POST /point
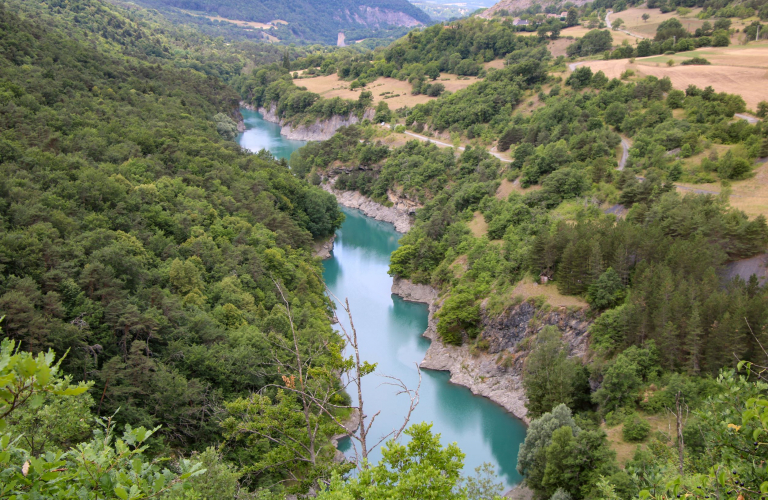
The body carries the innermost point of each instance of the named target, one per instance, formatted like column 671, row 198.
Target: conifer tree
column 596, row 265
column 693, row 340
column 669, row 344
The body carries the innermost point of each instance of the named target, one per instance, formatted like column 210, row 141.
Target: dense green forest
column 311, row 20
column 139, row 241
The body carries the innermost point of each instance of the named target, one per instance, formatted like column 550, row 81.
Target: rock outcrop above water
column 351, row 425
column 497, row 372
column 399, row 214
column 320, row 130
column 249, row 107
column 505, row 331
column 324, row 248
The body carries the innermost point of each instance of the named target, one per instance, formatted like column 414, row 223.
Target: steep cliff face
column 320, row 130
column 505, row 331
column 375, row 17
column 497, row 372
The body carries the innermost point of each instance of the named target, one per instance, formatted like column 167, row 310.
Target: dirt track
column 446, row 145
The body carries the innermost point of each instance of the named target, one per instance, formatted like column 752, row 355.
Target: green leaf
column 159, row 484
column 36, row 401
column 645, row 494
column 120, row 491
column 73, row 391
column 764, row 487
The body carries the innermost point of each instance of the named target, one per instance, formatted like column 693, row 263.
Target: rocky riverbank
column 351, row 425
column 320, row 130
column 398, row 215
column 480, row 374
column 495, row 373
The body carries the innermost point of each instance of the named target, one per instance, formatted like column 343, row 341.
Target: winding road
column 446, row 145
column 750, row 119
column 625, row 145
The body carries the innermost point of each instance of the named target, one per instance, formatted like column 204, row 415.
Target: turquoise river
column 390, row 334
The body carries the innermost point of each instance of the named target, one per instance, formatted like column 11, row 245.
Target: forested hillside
column 138, row 239
column 311, row 20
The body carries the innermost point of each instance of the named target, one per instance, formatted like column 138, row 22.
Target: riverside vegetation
column 172, row 273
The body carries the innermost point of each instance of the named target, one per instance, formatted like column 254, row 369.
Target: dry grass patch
column 633, row 20
column 558, row 47
column 754, row 55
column 736, row 70
column 394, row 92
column 395, row 140
column 496, row 64
column 580, row 31
column 625, row 451
column 508, row 187
column 529, row 103
column 749, row 195
column 528, row 289
column 478, row 226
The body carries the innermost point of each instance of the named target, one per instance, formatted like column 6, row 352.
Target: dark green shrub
column 635, row 429
column 695, row 60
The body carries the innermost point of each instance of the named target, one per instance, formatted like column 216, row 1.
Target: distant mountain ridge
column 309, row 20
